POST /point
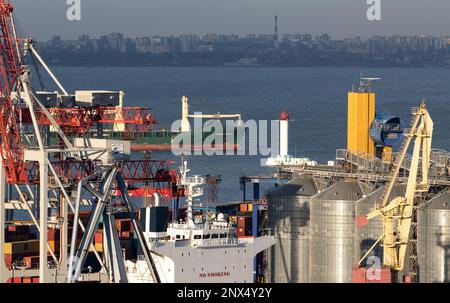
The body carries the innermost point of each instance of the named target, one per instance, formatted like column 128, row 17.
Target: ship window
column 206, row 236
column 178, row 237
column 223, row 236
column 182, row 270
column 214, row 236
column 197, row 237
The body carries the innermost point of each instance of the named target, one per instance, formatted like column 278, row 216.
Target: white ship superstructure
column 198, row 251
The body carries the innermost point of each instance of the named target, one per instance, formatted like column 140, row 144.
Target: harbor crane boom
column 397, row 214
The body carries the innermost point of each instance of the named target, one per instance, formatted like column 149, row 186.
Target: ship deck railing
column 201, row 226
column 217, row 242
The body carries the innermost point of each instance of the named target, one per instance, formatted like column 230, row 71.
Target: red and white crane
column 31, row 164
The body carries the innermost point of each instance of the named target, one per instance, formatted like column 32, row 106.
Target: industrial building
column 380, row 204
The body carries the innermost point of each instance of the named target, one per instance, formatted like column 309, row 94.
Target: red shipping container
column 8, row 260
column 31, row 262
column 98, row 238
column 408, row 279
column 371, row 275
column 244, row 221
column 240, row 232
column 53, row 234
column 243, row 207
column 14, row 280
column 35, row 280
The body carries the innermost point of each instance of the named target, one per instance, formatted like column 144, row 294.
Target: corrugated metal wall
column 289, row 217
column 433, row 237
column 333, row 233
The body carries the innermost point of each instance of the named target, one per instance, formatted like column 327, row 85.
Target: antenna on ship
column 193, row 188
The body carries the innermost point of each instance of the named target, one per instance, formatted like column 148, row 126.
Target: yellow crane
column 397, row 213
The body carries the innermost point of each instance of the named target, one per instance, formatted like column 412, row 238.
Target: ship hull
column 179, row 262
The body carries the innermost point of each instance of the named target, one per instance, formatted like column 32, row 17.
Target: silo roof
column 397, row 191
column 440, row 202
column 302, row 186
column 342, row 191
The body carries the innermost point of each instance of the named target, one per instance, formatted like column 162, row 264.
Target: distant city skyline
column 136, row 18
column 300, row 49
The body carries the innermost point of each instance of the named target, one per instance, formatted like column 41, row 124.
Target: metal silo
column 289, row 218
column 433, row 240
column 365, row 237
column 333, row 232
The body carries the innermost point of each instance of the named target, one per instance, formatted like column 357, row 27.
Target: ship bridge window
column 223, row 236
column 206, row 236
column 197, row 237
column 214, row 236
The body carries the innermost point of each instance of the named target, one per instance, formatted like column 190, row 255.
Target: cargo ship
column 200, row 249
column 162, row 140
column 135, row 124
column 213, row 135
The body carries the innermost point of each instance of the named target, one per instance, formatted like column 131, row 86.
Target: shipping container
column 123, row 225
column 126, row 235
column 22, row 247
column 31, row 261
column 54, row 245
column 12, row 236
column 128, row 246
column 23, row 229
column 98, row 238
column 14, row 280
column 53, row 234
column 243, row 207
column 99, row 247
column 245, row 222
column 97, row 98
column 371, row 275
column 240, row 232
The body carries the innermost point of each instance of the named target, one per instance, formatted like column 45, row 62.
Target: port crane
column 398, row 214
column 28, row 167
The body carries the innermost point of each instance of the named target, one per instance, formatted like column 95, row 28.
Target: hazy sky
column 44, row 18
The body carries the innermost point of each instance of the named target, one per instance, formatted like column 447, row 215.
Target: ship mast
column 193, row 189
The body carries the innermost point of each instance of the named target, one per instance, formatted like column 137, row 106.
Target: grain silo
column 433, row 240
column 365, row 237
column 289, row 217
column 333, row 232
